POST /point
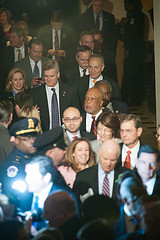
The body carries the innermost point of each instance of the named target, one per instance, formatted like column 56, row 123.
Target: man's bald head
column 108, row 155
column 72, row 120
column 58, row 208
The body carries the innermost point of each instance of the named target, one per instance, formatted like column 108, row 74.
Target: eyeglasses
column 106, row 131
column 27, row 139
column 75, row 119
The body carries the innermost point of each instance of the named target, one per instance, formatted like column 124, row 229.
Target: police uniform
column 13, row 168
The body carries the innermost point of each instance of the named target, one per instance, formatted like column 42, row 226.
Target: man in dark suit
column 78, row 66
column 72, row 120
column 35, row 58
column 10, row 54
column 58, row 40
column 53, row 97
column 93, row 180
column 114, row 105
column 95, row 68
column 147, row 166
column 95, row 17
column 130, row 132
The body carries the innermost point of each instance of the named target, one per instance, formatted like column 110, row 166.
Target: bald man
column 102, row 176
column 72, row 120
column 93, row 108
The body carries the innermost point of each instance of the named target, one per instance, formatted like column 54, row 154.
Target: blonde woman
column 31, row 111
column 78, row 157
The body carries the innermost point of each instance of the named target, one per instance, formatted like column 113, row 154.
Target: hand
column 34, row 81
column 51, row 52
column 60, row 53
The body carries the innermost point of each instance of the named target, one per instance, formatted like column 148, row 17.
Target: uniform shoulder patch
column 12, row 171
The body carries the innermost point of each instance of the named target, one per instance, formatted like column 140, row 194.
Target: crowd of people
column 72, row 163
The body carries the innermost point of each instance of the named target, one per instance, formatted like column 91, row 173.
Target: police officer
column 23, row 134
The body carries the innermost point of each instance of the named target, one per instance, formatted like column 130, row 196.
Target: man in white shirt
column 147, row 165
column 32, row 65
column 53, row 97
column 93, row 107
column 130, row 132
column 72, row 120
column 93, row 178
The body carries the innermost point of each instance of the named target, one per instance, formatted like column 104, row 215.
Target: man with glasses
column 72, row 120
column 23, row 133
column 147, row 165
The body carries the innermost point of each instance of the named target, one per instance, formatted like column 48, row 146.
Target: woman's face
column 17, row 82
column 81, row 153
column 103, row 132
column 3, row 18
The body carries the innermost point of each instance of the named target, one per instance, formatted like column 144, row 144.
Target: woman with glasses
column 78, row 157
column 107, row 128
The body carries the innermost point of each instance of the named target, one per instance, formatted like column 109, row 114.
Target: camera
column 35, row 213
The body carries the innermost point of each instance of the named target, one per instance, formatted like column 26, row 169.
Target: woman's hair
column 31, row 111
column 8, row 14
column 11, row 76
column 69, row 158
column 110, row 120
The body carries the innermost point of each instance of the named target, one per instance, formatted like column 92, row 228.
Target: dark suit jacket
column 82, row 85
column 120, row 107
column 7, row 63
column 89, row 136
column 40, row 99
column 66, row 41
column 156, row 189
column 88, row 178
column 87, row 23
column 71, row 71
column 24, row 64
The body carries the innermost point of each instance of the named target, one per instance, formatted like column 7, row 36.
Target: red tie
column 56, row 42
column 106, row 187
column 97, row 22
column 127, row 162
column 93, row 126
column 75, row 137
column 84, row 72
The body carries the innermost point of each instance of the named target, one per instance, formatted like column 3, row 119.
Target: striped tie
column 106, row 188
column 93, row 126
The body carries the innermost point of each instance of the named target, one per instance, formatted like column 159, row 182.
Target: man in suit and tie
column 95, row 68
column 57, row 39
column 95, row 17
column 101, row 178
column 114, row 105
column 53, row 97
column 147, row 166
column 10, row 54
column 72, row 120
column 93, row 108
column 78, row 67
column 130, row 132
column 32, row 65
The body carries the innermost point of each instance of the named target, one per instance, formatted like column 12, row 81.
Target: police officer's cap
column 50, row 139
column 25, row 127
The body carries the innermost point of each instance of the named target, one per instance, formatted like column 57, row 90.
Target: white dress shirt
column 39, row 64
column 49, row 93
column 42, row 196
column 81, row 71
column 133, row 155
column 70, row 135
column 91, row 83
column 22, row 49
column 150, row 184
column 89, row 120
column 100, row 19
column 53, row 39
column 101, row 176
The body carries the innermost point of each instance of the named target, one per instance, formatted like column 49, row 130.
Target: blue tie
column 54, row 109
column 36, row 206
